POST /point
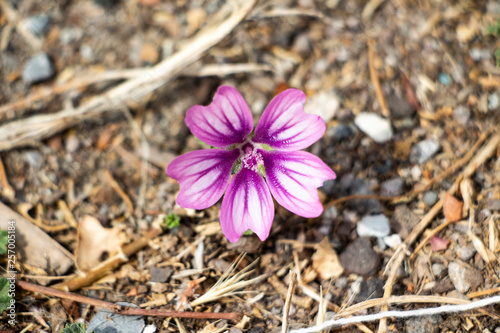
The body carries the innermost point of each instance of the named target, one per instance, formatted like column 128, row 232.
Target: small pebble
column 149, row 53
column 34, row 158
column 373, row 226
column 493, row 101
column 430, row 198
column 159, row 274
column 341, row 282
column 341, row 132
column 400, row 108
column 445, row 79
column 423, row 151
column 479, row 54
column 392, row 187
column 375, row 126
column 38, row 68
column 466, row 253
column 427, row 324
column 461, row 115
column 464, row 277
column 106, row 322
column 324, row 104
column 38, row 24
column 393, row 241
column 369, row 289
column 360, row 258
column 437, row 269
column 416, row 173
column 403, row 220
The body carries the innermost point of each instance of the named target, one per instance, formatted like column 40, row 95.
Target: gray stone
column 479, row 54
column 464, row 277
column 324, row 104
column 392, row 187
column 363, row 206
column 438, row 269
column 493, row 101
column 400, row 108
column 38, row 24
column 373, row 226
column 38, row 68
column 461, row 114
column 375, row 126
column 34, row 158
column 428, row 324
column 393, row 241
column 424, row 150
column 430, row 198
column 105, row 321
column 466, row 253
column 360, row 258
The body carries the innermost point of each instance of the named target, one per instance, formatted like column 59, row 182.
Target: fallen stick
column 30, row 130
column 125, row 310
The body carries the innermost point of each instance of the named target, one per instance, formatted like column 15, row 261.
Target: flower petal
column 293, row 179
column 285, row 126
column 226, row 121
column 203, row 176
column 247, row 205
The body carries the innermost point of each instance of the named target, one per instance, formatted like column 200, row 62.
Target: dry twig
column 124, row 310
column 288, row 299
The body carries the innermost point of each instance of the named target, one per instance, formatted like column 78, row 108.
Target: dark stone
column 343, row 132
column 161, row 275
column 360, row 258
column 369, row 289
column 429, row 324
column 403, row 221
column 106, row 3
column 363, row 206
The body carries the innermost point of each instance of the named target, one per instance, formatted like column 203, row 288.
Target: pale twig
column 27, row 131
column 115, row 186
column 81, row 82
column 22, row 29
column 7, row 190
column 375, row 79
column 125, row 310
column 288, row 299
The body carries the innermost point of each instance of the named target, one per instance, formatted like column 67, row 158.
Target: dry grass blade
column 229, row 283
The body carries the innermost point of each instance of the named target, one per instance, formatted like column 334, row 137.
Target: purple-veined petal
column 226, row 121
column 247, row 204
column 203, row 176
column 293, row 179
column 285, row 126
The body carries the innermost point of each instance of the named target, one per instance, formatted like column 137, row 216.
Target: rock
column 38, row 24
column 392, row 187
column 430, row 198
column 369, row 289
column 34, row 158
column 424, row 150
column 464, row 277
column 107, row 3
column 428, row 324
column 329, row 187
column 373, row 226
column 461, row 115
column 324, row 104
column 479, row 54
column 359, row 258
column 149, row 53
column 375, row 126
column 403, row 221
column 69, row 35
column 105, row 321
column 466, row 253
column 393, row 241
column 400, row 108
column 159, row 274
column 38, row 68
column 438, row 269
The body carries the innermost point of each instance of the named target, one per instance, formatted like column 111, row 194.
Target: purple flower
column 269, row 162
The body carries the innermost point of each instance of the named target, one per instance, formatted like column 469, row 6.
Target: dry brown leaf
column 93, row 241
column 326, row 262
column 452, row 208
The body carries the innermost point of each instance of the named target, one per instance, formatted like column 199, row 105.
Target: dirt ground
column 86, row 132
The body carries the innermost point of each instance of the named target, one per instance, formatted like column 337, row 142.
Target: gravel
column 375, row 126
column 38, row 68
column 373, row 226
column 423, row 151
column 464, row 277
column 360, row 258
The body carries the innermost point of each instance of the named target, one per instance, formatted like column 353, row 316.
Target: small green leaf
column 497, row 55
column 248, row 233
column 74, row 328
column 172, row 221
column 494, row 29
column 4, row 237
column 5, row 298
